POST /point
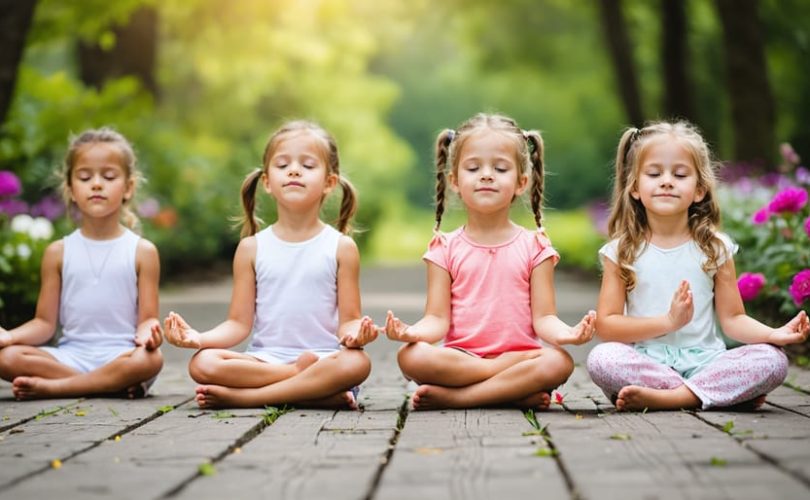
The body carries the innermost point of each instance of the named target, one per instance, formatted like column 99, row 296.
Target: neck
column 489, row 229
column 297, row 226
column 668, row 230
column 107, row 228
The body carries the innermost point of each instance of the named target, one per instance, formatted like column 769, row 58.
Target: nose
column 294, row 170
column 486, row 174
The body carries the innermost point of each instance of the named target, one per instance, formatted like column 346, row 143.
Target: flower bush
column 769, row 217
column 25, row 232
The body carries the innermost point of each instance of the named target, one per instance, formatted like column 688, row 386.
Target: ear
column 265, row 182
column 635, row 194
column 130, row 190
column 700, row 193
column 332, row 181
column 453, row 181
column 522, row 184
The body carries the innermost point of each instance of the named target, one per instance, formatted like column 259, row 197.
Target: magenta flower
column 750, row 284
column 761, row 216
column 49, row 207
column 800, row 288
column 10, row 184
column 791, row 199
column 13, row 206
column 803, row 175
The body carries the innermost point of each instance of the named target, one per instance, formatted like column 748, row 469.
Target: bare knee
column 11, row 361
column 413, row 359
column 554, row 367
column 148, row 363
column 353, row 366
column 204, row 367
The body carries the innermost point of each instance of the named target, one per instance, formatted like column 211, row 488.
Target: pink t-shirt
column 490, row 291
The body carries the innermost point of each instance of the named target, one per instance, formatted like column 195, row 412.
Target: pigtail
column 443, row 143
column 129, row 218
column 250, row 223
column 535, row 145
column 348, row 205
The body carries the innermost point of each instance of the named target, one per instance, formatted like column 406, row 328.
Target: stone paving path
column 165, row 447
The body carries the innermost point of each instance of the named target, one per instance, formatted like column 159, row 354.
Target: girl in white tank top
column 100, row 283
column 295, row 287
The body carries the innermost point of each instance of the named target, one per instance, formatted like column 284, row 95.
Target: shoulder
column 610, row 250
column 146, row 248
column 726, row 242
column 247, row 246
column 54, row 253
column 347, row 249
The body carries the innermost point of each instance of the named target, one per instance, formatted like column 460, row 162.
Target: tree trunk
column 134, row 53
column 15, row 20
column 752, row 103
column 677, row 87
column 621, row 54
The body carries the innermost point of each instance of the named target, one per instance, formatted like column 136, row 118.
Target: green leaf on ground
column 223, row 414
column 621, row 437
column 728, row 426
column 271, row 413
column 206, row 469
column 165, row 409
column 717, row 462
column 545, row 452
column 47, row 413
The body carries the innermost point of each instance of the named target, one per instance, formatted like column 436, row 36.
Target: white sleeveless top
column 296, row 295
column 99, row 299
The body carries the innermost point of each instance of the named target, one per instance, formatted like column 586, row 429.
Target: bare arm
column 436, row 322
column 743, row 328
column 547, row 325
column 354, row 331
column 42, row 327
column 240, row 315
column 612, row 324
column 147, row 265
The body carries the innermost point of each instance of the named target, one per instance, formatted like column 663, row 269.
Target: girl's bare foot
column 434, row 397
column 539, row 401
column 33, row 388
column 341, row 401
column 216, row 396
column 633, row 397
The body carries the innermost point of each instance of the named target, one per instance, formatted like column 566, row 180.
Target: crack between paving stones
column 124, row 431
column 245, row 438
column 4, row 428
column 385, row 460
column 785, row 408
column 763, row 456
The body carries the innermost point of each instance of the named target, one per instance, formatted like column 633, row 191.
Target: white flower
column 21, row 223
column 24, row 251
column 41, row 229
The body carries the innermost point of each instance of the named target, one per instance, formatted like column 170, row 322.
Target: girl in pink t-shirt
column 490, row 283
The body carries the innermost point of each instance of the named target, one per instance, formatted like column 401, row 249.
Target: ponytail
column 348, row 205
column 535, row 145
column 250, row 223
column 443, row 143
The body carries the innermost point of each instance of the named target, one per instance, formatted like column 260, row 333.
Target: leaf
column 728, row 426
column 56, row 463
column 621, row 437
column 271, row 413
column 46, row 413
column 206, row 469
column 80, row 412
column 717, row 462
column 223, row 414
column 165, row 409
column 546, row 452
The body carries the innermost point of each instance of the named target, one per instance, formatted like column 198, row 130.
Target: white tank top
column 99, row 299
column 296, row 294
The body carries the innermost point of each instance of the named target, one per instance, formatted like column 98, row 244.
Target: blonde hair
column 103, row 135
column 628, row 217
column 348, row 204
column 528, row 155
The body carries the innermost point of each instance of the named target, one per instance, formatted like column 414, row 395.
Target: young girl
column 101, row 282
column 490, row 283
column 669, row 287
column 295, row 285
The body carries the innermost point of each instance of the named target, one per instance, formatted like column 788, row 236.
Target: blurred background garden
column 198, row 86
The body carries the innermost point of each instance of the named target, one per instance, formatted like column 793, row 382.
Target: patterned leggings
column 736, row 376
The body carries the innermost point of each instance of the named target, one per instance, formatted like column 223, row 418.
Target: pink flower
column 791, row 199
column 558, row 398
column 800, row 288
column 761, row 216
column 750, row 284
column 10, row 184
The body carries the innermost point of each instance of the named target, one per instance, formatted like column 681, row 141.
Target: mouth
column 486, row 190
column 294, row 184
column 666, row 196
column 97, row 198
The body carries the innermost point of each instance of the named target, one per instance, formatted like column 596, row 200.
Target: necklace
column 97, row 273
